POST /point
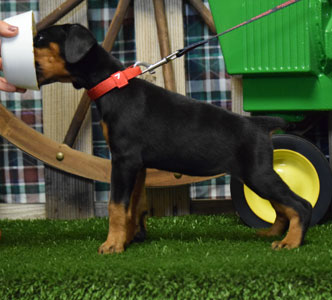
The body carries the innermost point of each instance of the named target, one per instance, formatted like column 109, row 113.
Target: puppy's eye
column 38, row 39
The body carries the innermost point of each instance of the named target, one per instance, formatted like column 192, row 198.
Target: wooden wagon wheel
column 62, row 156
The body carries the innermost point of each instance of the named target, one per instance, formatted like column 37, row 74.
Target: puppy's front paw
column 284, row 244
column 110, row 248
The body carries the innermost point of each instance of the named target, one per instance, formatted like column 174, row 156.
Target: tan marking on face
column 51, row 63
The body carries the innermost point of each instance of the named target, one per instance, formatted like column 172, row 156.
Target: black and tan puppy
column 149, row 127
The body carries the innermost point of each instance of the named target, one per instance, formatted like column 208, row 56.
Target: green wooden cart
column 285, row 60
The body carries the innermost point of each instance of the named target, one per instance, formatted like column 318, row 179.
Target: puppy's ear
column 78, row 43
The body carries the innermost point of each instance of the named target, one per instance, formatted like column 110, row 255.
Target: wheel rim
column 299, row 174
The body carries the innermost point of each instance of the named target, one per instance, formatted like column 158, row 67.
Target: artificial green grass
column 192, row 257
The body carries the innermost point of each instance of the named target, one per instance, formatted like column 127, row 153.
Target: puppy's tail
column 270, row 123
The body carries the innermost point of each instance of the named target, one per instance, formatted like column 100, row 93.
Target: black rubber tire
column 318, row 160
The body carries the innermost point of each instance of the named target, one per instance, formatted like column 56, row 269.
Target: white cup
column 18, row 59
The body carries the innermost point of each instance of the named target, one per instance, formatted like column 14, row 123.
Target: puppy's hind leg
column 280, row 225
column 299, row 217
column 290, row 208
column 278, row 228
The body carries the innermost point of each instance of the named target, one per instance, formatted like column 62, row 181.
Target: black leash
column 184, row 50
column 120, row 78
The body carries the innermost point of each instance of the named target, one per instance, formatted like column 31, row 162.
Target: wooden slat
column 147, row 49
column 67, row 196
column 164, row 43
column 22, row 211
column 237, row 96
column 168, row 201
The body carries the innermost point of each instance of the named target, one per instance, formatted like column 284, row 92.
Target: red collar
column 118, row 79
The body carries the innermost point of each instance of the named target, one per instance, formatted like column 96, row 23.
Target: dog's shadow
column 203, row 230
column 239, row 236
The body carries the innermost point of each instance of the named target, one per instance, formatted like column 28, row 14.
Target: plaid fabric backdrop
column 22, row 177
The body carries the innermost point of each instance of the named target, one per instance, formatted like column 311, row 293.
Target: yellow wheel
column 305, row 170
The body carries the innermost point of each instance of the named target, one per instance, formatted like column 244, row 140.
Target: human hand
column 7, row 30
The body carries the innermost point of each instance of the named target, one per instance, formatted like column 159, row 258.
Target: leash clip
column 165, row 60
column 144, row 64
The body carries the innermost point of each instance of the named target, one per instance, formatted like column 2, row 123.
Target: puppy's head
column 58, row 49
